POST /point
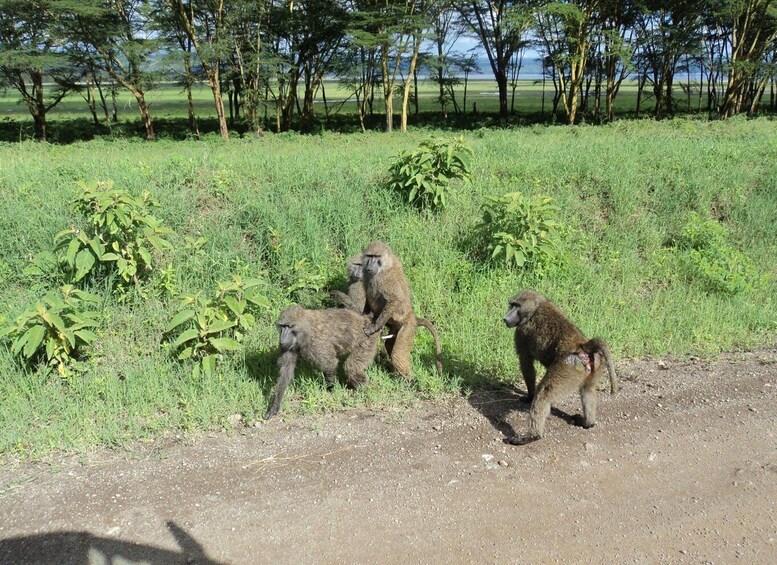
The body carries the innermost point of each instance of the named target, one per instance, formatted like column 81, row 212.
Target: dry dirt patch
column 682, row 467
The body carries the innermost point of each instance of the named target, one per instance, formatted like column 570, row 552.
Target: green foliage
column 121, row 234
column 56, row 330
column 708, row 258
column 210, row 327
column 423, row 175
column 522, row 232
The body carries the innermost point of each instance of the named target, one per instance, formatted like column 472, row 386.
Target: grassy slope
column 294, row 208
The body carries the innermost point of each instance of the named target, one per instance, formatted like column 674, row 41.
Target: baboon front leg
column 400, row 350
column 529, row 375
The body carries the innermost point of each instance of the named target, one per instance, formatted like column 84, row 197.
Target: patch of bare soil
column 682, row 467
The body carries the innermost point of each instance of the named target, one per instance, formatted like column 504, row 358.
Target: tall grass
column 291, row 209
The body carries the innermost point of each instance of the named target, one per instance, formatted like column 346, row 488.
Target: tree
column 114, row 38
column 753, row 30
column 204, row 23
column 666, row 29
column 33, row 47
column 567, row 29
column 500, row 25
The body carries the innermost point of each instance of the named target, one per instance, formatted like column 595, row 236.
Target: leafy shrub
column 121, row 233
column 423, row 175
column 210, row 327
column 707, row 258
column 56, row 330
column 520, row 231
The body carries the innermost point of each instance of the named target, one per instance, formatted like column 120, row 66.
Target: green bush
column 56, row 330
column 120, row 234
column 213, row 326
column 423, row 175
column 522, row 232
column 708, row 259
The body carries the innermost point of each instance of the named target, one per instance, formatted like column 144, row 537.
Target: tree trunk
column 501, row 83
column 413, row 62
column 215, row 87
column 145, row 116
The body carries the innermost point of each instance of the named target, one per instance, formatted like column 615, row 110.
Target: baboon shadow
column 496, row 400
column 78, row 548
column 262, row 366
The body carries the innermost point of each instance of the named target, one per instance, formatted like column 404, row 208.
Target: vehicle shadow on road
column 85, row 547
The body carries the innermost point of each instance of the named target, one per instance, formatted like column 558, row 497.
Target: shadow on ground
column 498, row 404
column 77, row 548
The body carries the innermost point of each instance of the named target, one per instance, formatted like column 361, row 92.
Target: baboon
column 572, row 362
column 355, row 299
column 391, row 303
column 322, row 338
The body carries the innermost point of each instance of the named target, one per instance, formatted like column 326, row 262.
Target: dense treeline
column 265, row 60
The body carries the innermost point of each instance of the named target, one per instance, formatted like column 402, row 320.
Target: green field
column 290, row 209
column 71, row 121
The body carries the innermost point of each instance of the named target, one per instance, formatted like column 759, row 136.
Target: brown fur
column 572, row 361
column 322, row 338
column 391, row 302
column 356, row 298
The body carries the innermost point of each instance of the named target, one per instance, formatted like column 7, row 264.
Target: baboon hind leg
column 560, row 380
column 328, row 366
column 356, row 365
column 400, row 350
column 588, row 398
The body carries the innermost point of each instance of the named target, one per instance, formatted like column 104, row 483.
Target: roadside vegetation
column 657, row 236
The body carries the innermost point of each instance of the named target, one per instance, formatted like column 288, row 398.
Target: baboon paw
column 581, row 421
column 369, row 330
column 270, row 414
column 521, row 440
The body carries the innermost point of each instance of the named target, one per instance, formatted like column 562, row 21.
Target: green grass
column 291, row 209
column 71, row 121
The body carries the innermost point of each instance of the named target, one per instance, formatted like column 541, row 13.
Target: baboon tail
column 437, row 348
column 599, row 345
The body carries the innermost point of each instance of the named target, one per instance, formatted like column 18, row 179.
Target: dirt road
column 682, row 468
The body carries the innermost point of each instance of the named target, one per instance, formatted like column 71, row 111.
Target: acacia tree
column 666, row 29
column 753, row 30
column 33, row 45
column 574, row 22
column 204, row 23
column 114, row 38
column 500, row 25
column 309, row 34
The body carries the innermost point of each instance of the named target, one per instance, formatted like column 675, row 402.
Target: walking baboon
column 391, row 303
column 355, row 299
column 572, row 362
column 322, row 338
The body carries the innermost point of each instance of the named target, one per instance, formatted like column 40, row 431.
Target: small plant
column 520, row 231
column 210, row 327
column 708, row 258
column 56, row 331
column 121, row 232
column 423, row 175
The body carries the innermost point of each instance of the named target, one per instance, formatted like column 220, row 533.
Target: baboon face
column 288, row 330
column 355, row 268
column 377, row 258
column 521, row 307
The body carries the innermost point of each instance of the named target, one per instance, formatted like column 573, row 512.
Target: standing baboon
column 322, row 337
column 572, row 362
column 391, row 303
column 355, row 299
